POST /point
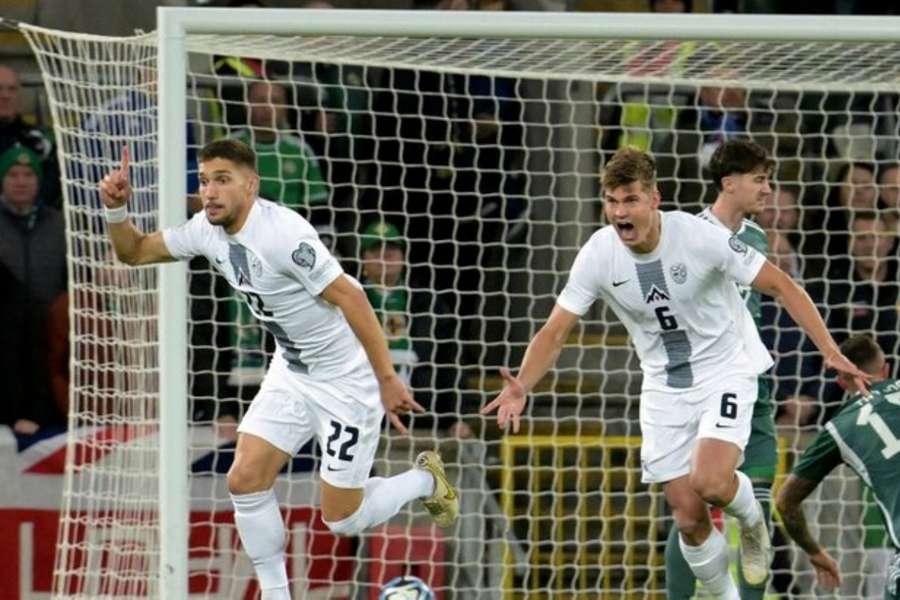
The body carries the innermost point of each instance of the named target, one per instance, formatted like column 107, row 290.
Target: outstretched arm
column 774, row 282
column 789, row 502
column 541, row 355
column 132, row 246
column 352, row 301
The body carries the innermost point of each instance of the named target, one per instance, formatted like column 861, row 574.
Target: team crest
column 304, row 256
column 679, row 272
column 737, row 245
column 289, row 167
column 656, row 295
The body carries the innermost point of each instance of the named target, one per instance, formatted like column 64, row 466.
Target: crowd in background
column 436, row 162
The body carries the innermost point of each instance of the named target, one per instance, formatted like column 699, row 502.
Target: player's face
column 632, row 211
column 227, row 191
column 750, row 190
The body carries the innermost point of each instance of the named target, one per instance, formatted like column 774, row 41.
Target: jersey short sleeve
column 188, row 239
column 732, row 255
column 583, row 287
column 819, row 459
column 302, row 256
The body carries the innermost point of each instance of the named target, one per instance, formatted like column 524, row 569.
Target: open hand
column 827, row 571
column 509, row 404
column 397, row 401
column 114, row 187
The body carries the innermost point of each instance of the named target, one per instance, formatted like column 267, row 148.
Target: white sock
column 281, row 593
column 744, row 506
column 709, row 562
column 383, row 499
column 262, row 532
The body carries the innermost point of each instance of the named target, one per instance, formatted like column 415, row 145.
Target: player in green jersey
column 740, row 170
column 864, row 435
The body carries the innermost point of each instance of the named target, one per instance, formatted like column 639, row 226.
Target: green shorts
column 761, row 453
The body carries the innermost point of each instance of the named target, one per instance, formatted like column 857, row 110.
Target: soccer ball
column 406, row 588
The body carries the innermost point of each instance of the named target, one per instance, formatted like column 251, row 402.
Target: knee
column 712, row 487
column 693, row 527
column 243, row 479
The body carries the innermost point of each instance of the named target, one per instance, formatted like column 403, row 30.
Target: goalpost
column 480, row 137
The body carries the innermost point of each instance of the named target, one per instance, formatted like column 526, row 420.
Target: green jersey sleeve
column 819, row 458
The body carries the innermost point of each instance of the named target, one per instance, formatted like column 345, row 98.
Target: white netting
column 484, row 154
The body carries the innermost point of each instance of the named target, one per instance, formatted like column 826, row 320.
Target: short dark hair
column 629, row 164
column 883, row 168
column 863, row 215
column 234, row 150
column 738, row 156
column 864, row 352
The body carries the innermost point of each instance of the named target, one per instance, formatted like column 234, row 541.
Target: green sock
column 680, row 580
column 763, row 492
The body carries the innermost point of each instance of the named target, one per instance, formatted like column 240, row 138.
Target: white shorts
column 344, row 414
column 673, row 420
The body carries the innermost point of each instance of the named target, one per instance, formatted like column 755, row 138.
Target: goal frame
column 174, row 24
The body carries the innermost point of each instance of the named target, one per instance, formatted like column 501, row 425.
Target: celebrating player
column 670, row 278
column 331, row 377
column 863, row 435
column 740, row 171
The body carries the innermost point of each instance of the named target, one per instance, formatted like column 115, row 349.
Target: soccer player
column 331, row 377
column 864, row 436
column 670, row 278
column 740, row 171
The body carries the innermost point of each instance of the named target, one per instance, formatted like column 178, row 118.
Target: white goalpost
column 479, row 136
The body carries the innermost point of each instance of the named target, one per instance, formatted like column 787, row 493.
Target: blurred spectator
column 14, row 130
column 862, row 292
column 33, row 251
column 643, row 114
column 288, row 170
column 233, row 74
column 717, row 114
column 778, row 331
column 780, row 219
column 854, row 190
column 889, row 193
column 419, row 330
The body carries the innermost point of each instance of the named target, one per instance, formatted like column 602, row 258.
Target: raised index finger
column 126, row 157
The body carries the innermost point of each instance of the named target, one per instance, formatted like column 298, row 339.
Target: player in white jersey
column 670, row 278
column 332, row 376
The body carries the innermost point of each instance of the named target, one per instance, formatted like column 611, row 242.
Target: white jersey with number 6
column 280, row 266
column 679, row 303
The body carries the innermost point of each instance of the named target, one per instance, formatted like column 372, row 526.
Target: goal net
column 477, row 158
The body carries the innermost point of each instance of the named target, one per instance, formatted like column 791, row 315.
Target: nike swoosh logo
column 720, row 426
column 618, row 283
column 332, row 469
